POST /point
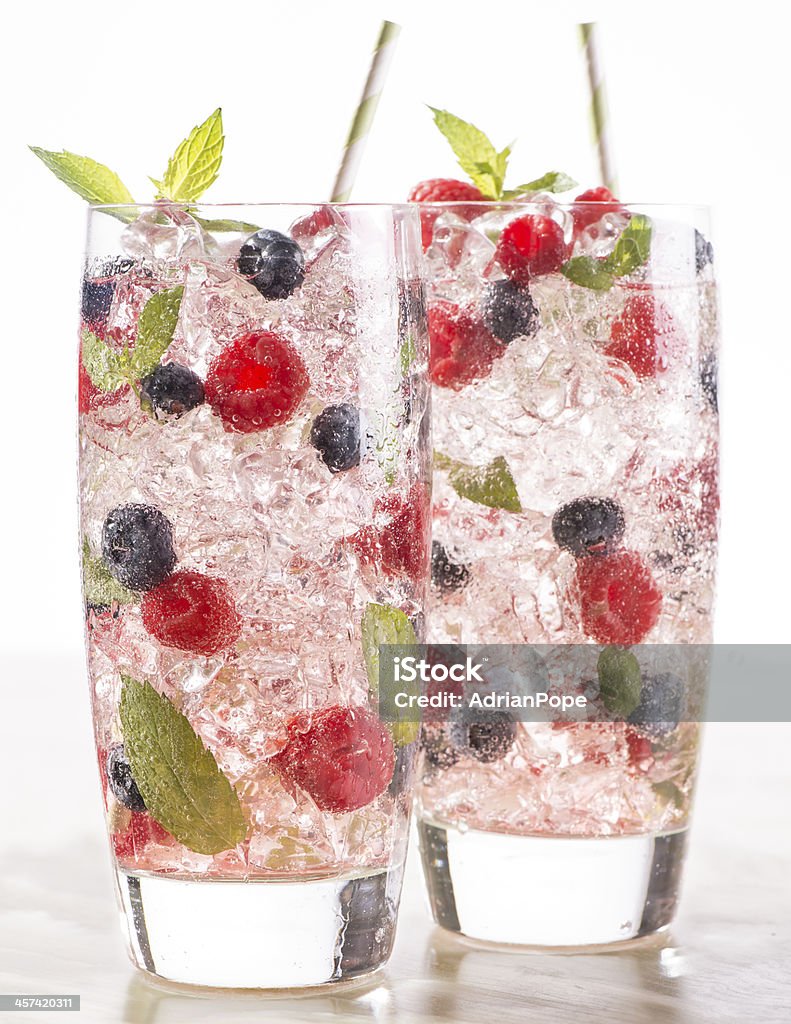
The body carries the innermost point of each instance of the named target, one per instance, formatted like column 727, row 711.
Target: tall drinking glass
column 574, row 359
column 254, row 484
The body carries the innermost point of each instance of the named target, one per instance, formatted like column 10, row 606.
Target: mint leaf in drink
column 99, row 587
column 552, row 181
column 669, row 793
column 91, row 181
column 227, row 227
column 475, row 152
column 195, row 164
column 104, row 366
column 620, row 682
column 383, row 624
column 178, row 777
column 491, row 485
column 588, row 272
column 155, row 331
column 632, row 248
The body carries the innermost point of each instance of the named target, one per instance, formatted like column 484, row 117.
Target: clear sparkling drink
column 573, row 360
column 254, row 499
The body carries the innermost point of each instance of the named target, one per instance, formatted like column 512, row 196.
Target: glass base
column 548, row 891
column 260, row 934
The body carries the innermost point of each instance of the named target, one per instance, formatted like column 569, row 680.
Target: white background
column 699, row 97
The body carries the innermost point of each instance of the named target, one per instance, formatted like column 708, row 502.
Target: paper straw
column 598, row 109
column 366, row 109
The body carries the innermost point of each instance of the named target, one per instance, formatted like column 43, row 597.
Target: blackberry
column 335, row 434
column 508, row 311
column 121, row 780
column 272, row 262
column 438, row 751
column 137, row 546
column 709, row 373
column 484, row 735
column 704, row 252
column 446, row 575
column 660, row 707
column 589, row 526
column 171, row 390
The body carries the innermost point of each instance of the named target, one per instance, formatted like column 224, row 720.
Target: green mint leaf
column 407, row 354
column 474, row 150
column 632, row 248
column 669, row 793
column 98, row 586
column 177, row 776
column 588, row 272
column 91, row 181
column 620, row 682
column 491, row 485
column 155, row 331
column 383, row 624
column 552, row 181
column 228, row 227
column 195, row 164
column 104, row 366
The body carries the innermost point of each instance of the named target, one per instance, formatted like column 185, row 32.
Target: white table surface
column 728, row 961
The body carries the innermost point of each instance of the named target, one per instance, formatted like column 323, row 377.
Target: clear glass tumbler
column 574, row 364
column 254, row 487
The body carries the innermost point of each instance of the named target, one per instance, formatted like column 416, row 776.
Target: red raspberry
column 257, row 382
column 584, row 216
column 141, row 831
column 462, row 350
column 323, row 218
column 619, row 599
column 444, row 190
column 192, row 612
column 341, row 756
column 639, row 748
column 645, row 336
column 530, row 246
column 699, row 480
column 397, row 540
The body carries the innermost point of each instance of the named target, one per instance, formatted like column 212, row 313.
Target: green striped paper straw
column 366, row 109
column 598, row 110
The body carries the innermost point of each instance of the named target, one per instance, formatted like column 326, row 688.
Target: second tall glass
column 574, row 359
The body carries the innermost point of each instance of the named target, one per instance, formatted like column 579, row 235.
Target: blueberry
column 335, row 434
column 486, row 735
column 446, row 575
column 438, row 751
column 97, row 297
column 122, row 783
column 273, row 263
column 704, row 253
column 172, row 389
column 508, row 311
column 137, row 546
column 708, row 379
column 660, row 707
column 588, row 526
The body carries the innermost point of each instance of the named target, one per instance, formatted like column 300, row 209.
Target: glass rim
column 409, row 205
column 189, row 207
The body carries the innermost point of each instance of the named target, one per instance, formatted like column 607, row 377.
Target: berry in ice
column 589, row 526
column 619, row 598
column 395, row 541
column 342, row 756
column 335, row 434
column 462, row 350
column 97, row 298
column 257, row 382
column 171, row 390
column 137, row 546
column 660, row 707
column 443, row 190
column 446, row 575
column 272, row 262
column 486, row 735
column 645, row 336
column 508, row 311
column 193, row 613
column 121, row 780
column 704, row 252
column 709, row 374
column 438, row 750
column 593, row 205
column 531, row 246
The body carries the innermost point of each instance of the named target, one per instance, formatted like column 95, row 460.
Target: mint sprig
column 384, row 624
column 491, row 485
column 631, row 251
column 183, row 788
column 620, row 681
column 485, row 165
column 98, row 585
column 195, row 164
column 91, row 180
column 109, row 369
